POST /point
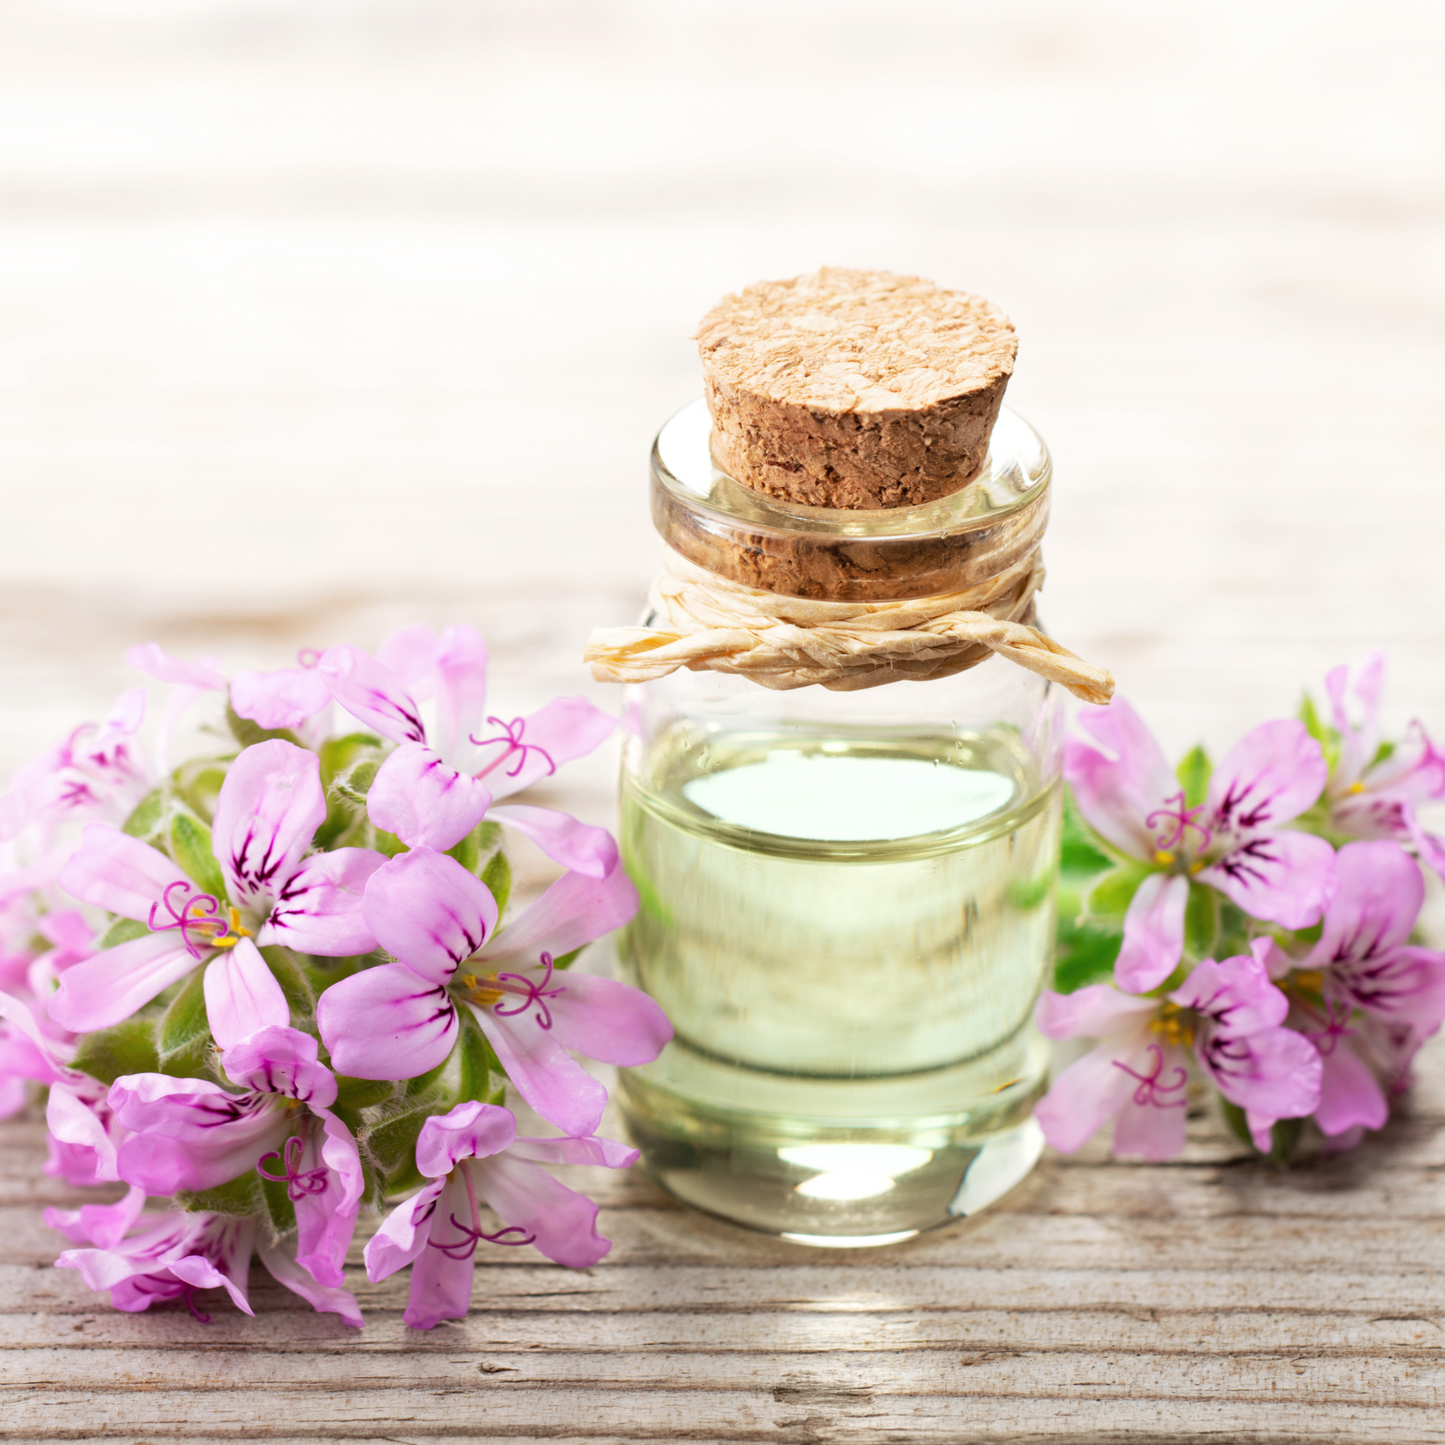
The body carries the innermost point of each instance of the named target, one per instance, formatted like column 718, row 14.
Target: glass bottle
column 847, row 896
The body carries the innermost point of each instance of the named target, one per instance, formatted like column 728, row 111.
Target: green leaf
column 1026, row 894
column 338, row 754
column 567, row 959
column 190, row 843
column 123, row 930
column 241, row 1195
column 1238, row 1124
column 1079, row 851
column 1384, row 751
column 482, row 1076
column 290, row 973
column 1201, row 922
column 147, row 816
column 1085, row 954
column 497, row 875
column 128, row 1048
column 1326, row 736
column 276, row 1197
column 198, row 784
column 1194, row 772
column 479, row 847
column 1284, row 1136
column 387, row 843
column 1111, row 895
column 248, row 734
column 185, row 1019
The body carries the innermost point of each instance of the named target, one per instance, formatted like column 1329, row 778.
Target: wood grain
column 318, row 320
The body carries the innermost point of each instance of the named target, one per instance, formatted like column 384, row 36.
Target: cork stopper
column 854, row 389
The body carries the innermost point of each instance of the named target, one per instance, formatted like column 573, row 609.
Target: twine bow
column 787, row 642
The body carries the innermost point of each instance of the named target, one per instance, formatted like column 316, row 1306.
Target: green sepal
column 1201, row 922
column 1085, row 954
column 567, row 959
column 123, row 930
column 1320, row 731
column 387, row 843
column 357, row 1094
column 479, row 847
column 288, row 970
column 276, row 1196
column 185, row 1018
column 1284, row 1136
column 482, row 1077
column 390, row 1143
column 1238, row 1124
column 147, row 818
column 497, row 875
column 241, row 1195
column 128, row 1048
column 1385, row 751
column 352, row 784
column 248, row 733
column 1114, row 891
column 190, row 847
column 426, row 1084
column 198, row 782
column 338, row 754
column 1194, row 772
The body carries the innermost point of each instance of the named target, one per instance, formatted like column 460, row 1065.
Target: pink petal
column 48, row 1057
column 563, row 1222
column 429, row 912
column 461, row 667
column 1270, row 776
column 281, row 1060
column 386, row 1023
column 562, row 838
column 1350, row 1097
column 242, row 995
column 270, row 806
column 410, row 654
column 471, row 1130
column 1092, row 1012
column 103, row 1225
column 403, row 1233
column 322, row 1298
column 575, row 910
column 281, row 699
column 1359, row 747
column 441, row 1285
column 1119, row 776
column 1149, row 1131
column 1153, row 933
column 107, row 989
column 1234, row 991
column 605, row 1153
column 1285, row 877
column 544, row 1073
column 72, row 1121
column 1377, row 898
column 1089, row 1093
column 151, row 659
column 128, row 712
column 325, row 1222
column 319, row 908
column 602, row 1019
column 565, row 729
column 121, row 874
column 372, row 694
column 1274, row 1072
column 427, row 803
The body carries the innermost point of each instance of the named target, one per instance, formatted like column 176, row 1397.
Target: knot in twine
column 787, row 642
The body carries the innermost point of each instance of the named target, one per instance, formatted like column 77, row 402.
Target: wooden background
column 320, row 318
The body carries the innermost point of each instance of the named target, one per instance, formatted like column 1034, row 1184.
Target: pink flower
column 192, row 1134
column 1370, row 799
column 1363, row 969
column 433, row 796
column 28, row 1054
column 95, row 774
column 1226, row 1014
column 400, row 1019
column 472, row 1155
column 1234, row 841
column 270, row 806
column 174, row 1257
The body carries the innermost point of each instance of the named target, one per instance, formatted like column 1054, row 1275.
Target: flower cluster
column 280, row 984
column 1257, row 919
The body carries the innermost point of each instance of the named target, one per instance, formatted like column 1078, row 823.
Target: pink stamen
column 466, row 1248
column 1183, row 819
column 1151, row 1088
column 1337, row 1015
column 535, row 993
column 198, row 913
column 205, row 1319
column 308, row 657
column 512, row 737
column 298, row 1184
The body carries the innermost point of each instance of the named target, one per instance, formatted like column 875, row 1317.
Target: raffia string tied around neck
column 789, row 642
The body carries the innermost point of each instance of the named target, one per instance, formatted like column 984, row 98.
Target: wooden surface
column 317, row 319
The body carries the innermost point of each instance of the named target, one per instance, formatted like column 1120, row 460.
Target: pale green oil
column 848, row 934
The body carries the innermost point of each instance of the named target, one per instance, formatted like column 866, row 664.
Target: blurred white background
column 318, row 318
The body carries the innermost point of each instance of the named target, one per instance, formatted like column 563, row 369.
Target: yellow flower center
column 1175, row 1028
column 236, row 934
column 481, row 991
column 1163, row 859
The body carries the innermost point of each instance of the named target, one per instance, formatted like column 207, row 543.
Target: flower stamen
column 534, row 993
column 1151, row 1086
column 512, row 737
column 1183, row 820
column 299, row 1184
column 198, row 913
